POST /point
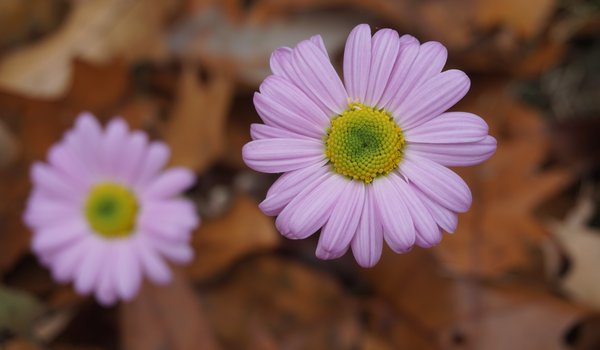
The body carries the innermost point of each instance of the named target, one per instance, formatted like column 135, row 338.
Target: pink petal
column 132, row 157
column 427, row 231
column 263, row 131
column 398, row 86
column 318, row 77
column 398, row 227
column 106, row 291
column 450, row 127
column 291, row 98
column 367, row 243
column 281, row 62
column 155, row 159
column 177, row 212
column 57, row 237
column 310, row 209
column 438, row 182
column 386, row 45
column 357, row 62
column 128, row 272
column 273, row 113
column 153, row 265
column 69, row 167
column 432, row 98
column 289, row 185
column 46, row 179
column 89, row 269
column 114, row 143
column 343, row 222
column 455, row 154
column 85, row 141
column 445, row 218
column 318, row 41
column 424, row 65
column 43, row 211
column 66, row 261
column 178, row 253
column 169, row 183
column 281, row 155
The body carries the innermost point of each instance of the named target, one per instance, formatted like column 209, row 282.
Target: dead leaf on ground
column 465, row 313
column 166, row 317
column 500, row 231
column 96, row 31
column 581, row 246
column 196, row 128
column 219, row 242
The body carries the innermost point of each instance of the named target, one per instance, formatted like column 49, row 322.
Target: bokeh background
column 521, row 272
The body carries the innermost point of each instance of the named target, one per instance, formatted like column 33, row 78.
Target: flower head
column 104, row 213
column 365, row 160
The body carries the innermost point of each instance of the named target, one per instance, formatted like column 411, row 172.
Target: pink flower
column 104, row 214
column 365, row 160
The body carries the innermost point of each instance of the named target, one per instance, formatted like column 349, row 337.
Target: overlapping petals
column 407, row 207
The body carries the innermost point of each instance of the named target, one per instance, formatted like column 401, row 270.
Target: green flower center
column 363, row 143
column 111, row 210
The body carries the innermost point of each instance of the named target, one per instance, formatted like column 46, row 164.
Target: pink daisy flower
column 365, row 160
column 104, row 214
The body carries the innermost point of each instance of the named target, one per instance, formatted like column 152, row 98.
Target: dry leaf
column 196, row 129
column 245, row 48
column 500, row 231
column 465, row 313
column 581, row 245
column 96, row 31
column 220, row 242
column 168, row 317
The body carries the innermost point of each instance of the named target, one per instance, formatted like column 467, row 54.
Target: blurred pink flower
column 365, row 160
column 104, row 214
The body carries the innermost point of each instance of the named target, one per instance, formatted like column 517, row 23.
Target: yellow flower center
column 111, row 210
column 363, row 143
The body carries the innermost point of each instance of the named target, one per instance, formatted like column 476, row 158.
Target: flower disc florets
column 364, row 143
column 111, row 210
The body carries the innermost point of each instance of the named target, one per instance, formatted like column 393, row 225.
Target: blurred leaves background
column 520, row 272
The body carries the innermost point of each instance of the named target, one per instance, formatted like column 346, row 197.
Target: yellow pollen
column 111, row 210
column 363, row 143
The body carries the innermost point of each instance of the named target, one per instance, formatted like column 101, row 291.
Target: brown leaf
column 500, row 230
column 224, row 240
column 168, row 317
column 196, row 129
column 97, row 31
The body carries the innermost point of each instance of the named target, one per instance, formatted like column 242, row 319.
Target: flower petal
column 310, row 209
column 281, row 62
column 424, row 65
column 438, row 182
column 386, row 45
column 132, row 157
column 427, row 231
column 318, row 78
column 128, row 272
column 68, row 166
column 114, row 142
column 293, row 99
column 90, row 266
column 432, row 98
column 66, row 261
column 152, row 264
column 47, row 180
column 289, row 185
column 339, row 230
column 357, row 62
column 106, row 291
column 57, row 237
column 398, row 86
column 318, row 41
column 398, row 227
column 456, row 154
column 263, row 131
column 281, row 155
column 170, row 183
column 367, row 242
column 155, row 159
column 445, row 218
column 273, row 113
column 450, row 127
column 178, row 253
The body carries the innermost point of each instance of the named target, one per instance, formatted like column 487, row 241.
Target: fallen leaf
column 219, row 242
column 96, row 31
column 166, row 317
column 498, row 234
column 18, row 310
column 580, row 244
column 196, row 128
